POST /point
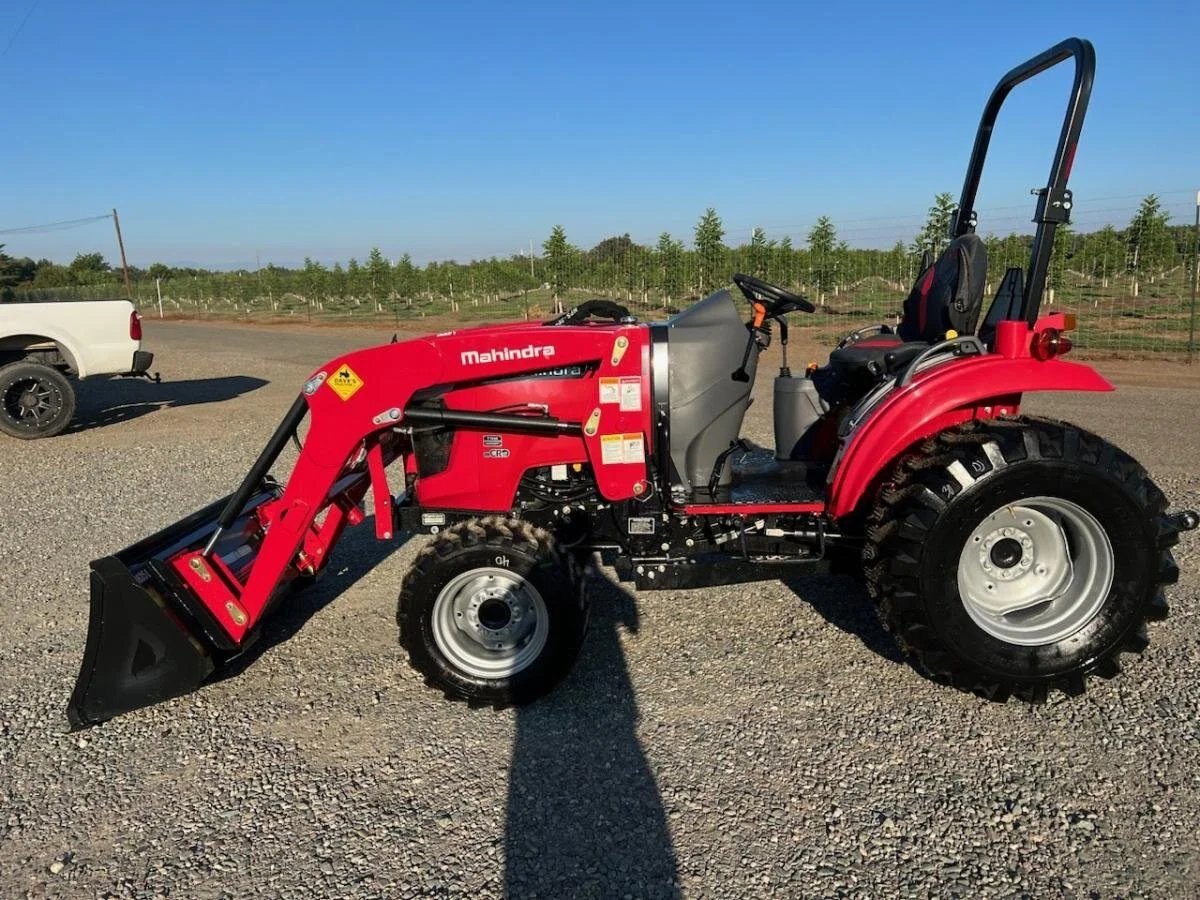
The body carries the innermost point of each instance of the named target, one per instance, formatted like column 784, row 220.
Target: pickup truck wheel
column 493, row 612
column 36, row 400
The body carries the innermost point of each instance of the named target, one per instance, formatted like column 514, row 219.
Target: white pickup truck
column 43, row 346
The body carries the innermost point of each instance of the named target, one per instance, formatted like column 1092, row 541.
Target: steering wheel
column 769, row 300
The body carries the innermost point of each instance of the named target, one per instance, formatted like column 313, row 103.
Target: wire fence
column 1131, row 294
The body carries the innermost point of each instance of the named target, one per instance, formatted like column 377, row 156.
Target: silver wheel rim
column 490, row 623
column 1036, row 571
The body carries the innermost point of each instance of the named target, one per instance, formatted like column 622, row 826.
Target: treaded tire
column 531, row 553
column 61, row 399
column 925, row 514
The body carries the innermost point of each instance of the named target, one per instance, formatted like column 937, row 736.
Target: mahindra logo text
column 504, row 354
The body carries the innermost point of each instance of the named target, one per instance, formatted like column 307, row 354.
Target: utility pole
column 1195, row 279
column 531, row 259
column 121, row 245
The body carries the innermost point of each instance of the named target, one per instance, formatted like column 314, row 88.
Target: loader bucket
column 137, row 652
column 149, row 639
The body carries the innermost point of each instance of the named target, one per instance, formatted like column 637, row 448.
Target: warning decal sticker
column 610, row 390
column 631, row 394
column 344, row 382
column 622, row 448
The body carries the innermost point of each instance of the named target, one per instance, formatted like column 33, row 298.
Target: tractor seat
column 946, row 298
column 862, row 363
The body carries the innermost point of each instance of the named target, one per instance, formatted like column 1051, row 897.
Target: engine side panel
column 610, row 398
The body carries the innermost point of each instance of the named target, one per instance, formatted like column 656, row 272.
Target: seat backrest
column 1005, row 306
column 948, row 294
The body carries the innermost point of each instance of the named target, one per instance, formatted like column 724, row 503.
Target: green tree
column 898, row 265
column 935, row 234
column 558, row 254
column 782, row 266
column 758, row 254
column 1056, row 277
column 710, row 250
column 1151, row 246
column 406, row 279
column 822, row 249
column 313, row 282
column 89, row 268
column 669, row 258
column 379, row 275
column 1103, row 254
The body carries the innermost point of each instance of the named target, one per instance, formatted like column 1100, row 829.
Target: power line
column 55, row 226
column 12, row 40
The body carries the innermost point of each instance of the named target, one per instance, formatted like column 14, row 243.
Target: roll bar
column 1054, row 200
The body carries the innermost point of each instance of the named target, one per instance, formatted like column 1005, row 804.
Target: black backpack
column 948, row 294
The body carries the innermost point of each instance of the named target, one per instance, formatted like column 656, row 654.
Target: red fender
column 955, row 392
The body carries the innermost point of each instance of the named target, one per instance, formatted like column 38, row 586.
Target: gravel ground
column 726, row 742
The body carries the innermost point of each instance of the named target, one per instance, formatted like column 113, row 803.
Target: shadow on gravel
column 585, row 817
column 356, row 554
column 109, row 401
column 843, row 601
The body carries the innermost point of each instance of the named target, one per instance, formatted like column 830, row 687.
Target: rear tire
column 36, row 400
column 1014, row 557
column 493, row 612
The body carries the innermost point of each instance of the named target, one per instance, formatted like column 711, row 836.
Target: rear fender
column 979, row 387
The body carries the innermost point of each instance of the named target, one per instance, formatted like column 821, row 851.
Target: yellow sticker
column 612, row 449
column 610, row 390
column 344, row 382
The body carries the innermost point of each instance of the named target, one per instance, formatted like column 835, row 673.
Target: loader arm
column 171, row 609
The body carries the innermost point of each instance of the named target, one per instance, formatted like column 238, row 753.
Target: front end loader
column 1009, row 555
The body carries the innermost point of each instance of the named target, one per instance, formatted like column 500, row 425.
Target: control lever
column 759, row 333
column 784, row 371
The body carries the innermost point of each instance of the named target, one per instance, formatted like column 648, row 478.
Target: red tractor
column 1009, row 555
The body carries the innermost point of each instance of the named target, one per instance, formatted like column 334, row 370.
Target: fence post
column 1195, row 279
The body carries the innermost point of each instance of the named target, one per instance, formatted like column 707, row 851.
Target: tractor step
column 712, row 570
column 759, row 478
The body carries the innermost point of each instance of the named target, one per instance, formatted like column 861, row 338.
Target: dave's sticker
column 631, row 394
column 344, row 382
column 610, row 390
column 622, row 448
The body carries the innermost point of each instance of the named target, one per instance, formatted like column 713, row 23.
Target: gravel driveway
column 746, row 741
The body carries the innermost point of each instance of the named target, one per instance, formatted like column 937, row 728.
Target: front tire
column 36, row 400
column 493, row 612
column 1014, row 557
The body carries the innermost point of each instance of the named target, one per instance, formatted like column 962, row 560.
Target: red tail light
column 1048, row 343
column 135, row 326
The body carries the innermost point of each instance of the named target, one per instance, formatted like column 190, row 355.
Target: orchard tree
column 1056, row 277
column 1103, row 253
column 783, row 262
column 669, row 265
column 1152, row 249
column 710, row 251
column 558, row 255
column 822, row 249
column 759, row 253
column 407, row 279
column 379, row 276
column 935, row 234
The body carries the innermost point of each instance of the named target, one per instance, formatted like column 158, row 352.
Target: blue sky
column 226, row 130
